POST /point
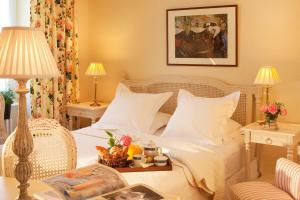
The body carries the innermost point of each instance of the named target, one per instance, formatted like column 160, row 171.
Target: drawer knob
column 268, row 141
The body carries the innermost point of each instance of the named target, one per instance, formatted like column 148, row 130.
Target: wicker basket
column 114, row 163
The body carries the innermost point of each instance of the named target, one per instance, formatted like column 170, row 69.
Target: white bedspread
column 197, row 162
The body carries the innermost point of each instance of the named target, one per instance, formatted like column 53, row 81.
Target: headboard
column 245, row 113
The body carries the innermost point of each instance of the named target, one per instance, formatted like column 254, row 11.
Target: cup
column 138, row 160
column 150, row 151
column 160, row 161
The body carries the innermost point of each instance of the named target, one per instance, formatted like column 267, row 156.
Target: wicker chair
column 54, row 150
column 3, row 133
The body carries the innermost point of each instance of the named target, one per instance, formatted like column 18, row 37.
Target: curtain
column 56, row 18
column 6, row 19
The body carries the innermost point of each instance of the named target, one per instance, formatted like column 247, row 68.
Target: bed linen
column 193, row 162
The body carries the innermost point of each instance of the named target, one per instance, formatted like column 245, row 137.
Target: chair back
column 3, row 133
column 54, row 150
column 287, row 177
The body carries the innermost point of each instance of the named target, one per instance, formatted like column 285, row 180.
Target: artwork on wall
column 202, row 36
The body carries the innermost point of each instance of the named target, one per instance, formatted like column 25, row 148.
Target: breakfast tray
column 168, row 167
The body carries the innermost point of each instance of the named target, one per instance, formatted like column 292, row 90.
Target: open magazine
column 95, row 182
column 83, row 183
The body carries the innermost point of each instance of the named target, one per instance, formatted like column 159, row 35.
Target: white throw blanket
column 206, row 163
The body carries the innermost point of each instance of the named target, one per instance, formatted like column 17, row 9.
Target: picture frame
column 202, row 36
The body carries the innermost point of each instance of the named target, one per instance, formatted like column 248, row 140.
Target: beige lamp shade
column 95, row 69
column 267, row 75
column 25, row 54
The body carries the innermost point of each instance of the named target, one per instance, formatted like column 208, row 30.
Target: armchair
column 286, row 186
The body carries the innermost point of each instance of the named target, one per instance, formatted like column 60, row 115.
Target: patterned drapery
column 56, row 18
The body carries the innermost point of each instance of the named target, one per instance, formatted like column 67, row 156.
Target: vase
column 271, row 124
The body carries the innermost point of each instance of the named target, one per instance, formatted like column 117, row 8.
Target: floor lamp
column 24, row 54
column 95, row 70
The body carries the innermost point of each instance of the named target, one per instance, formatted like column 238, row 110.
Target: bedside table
column 84, row 110
column 287, row 135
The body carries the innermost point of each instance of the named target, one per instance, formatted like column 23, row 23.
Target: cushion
column 199, row 118
column 287, row 177
column 255, row 190
column 132, row 112
column 161, row 120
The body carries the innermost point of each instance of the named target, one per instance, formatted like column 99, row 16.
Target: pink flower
column 283, row 112
column 272, row 108
column 69, row 26
column 69, row 68
column 125, row 140
column 37, row 24
column 59, row 36
column 264, row 108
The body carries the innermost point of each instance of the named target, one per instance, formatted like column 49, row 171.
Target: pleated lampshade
column 25, row 54
column 95, row 69
column 267, row 75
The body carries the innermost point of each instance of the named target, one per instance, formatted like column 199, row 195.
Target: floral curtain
column 56, row 18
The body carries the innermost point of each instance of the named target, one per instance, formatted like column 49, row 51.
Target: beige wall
column 129, row 38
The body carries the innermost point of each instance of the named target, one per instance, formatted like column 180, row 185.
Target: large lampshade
column 95, row 69
column 267, row 75
column 25, row 54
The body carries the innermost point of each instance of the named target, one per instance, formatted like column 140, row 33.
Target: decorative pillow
column 201, row 118
column 161, row 119
column 132, row 112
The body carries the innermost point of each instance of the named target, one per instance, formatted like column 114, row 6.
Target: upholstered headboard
column 245, row 113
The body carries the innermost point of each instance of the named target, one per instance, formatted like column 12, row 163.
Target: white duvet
column 194, row 162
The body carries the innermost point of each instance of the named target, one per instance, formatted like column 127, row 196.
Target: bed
column 218, row 166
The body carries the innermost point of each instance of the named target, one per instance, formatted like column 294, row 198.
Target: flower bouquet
column 119, row 152
column 271, row 112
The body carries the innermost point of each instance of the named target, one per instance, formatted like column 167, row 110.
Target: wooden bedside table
column 288, row 136
column 85, row 110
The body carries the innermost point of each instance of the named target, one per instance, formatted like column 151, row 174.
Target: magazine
column 83, row 183
column 134, row 192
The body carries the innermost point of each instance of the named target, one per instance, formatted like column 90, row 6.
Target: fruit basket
column 115, row 162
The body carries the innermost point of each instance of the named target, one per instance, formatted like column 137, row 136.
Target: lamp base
column 95, row 103
column 22, row 144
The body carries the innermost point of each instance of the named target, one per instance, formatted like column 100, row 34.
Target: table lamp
column 95, row 70
column 267, row 76
column 24, row 54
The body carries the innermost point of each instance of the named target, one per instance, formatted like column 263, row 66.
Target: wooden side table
column 288, row 136
column 85, row 110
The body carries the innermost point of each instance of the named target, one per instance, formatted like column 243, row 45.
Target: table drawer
column 270, row 139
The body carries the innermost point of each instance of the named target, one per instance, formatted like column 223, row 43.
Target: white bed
column 170, row 182
column 218, row 166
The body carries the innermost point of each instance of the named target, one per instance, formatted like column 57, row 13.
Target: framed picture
column 202, row 36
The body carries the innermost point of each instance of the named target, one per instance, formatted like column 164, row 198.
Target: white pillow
column 161, row 119
column 200, row 118
column 132, row 112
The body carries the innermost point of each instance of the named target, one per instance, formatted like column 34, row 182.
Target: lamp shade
column 95, row 69
column 267, row 75
column 25, row 54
